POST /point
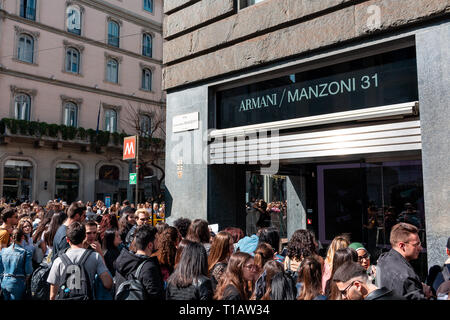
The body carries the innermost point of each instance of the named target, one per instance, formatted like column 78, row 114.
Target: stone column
column 433, row 63
column 296, row 203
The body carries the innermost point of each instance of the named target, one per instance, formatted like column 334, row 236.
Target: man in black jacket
column 393, row 268
column 354, row 284
column 128, row 262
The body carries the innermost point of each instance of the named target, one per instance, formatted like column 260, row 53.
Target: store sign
column 379, row 80
column 129, row 148
column 133, row 178
column 185, row 122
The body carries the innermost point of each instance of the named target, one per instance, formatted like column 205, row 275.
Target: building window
column 112, row 71
column 67, row 179
column 246, row 3
column 145, row 126
column 148, row 5
column 28, row 9
column 108, row 172
column 146, row 80
column 73, row 60
column 17, row 180
column 147, row 45
column 111, row 120
column 71, row 114
column 74, row 19
column 113, row 33
column 22, row 107
column 25, row 48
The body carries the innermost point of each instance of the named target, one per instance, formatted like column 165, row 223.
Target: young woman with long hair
column 199, row 232
column 109, row 221
column 167, row 250
column 271, row 268
column 341, row 256
column 16, row 267
column 338, row 242
column 310, row 278
column 241, row 271
column 190, row 279
column 181, row 245
column 110, row 247
column 221, row 250
column 27, row 226
column 126, row 222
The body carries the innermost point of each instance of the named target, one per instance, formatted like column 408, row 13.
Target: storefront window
column 67, row 181
column 367, row 200
column 17, row 180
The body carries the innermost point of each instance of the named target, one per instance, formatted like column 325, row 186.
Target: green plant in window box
column 82, row 134
column 33, row 128
column 42, row 128
column 11, row 124
column 53, row 130
column 92, row 135
column 116, row 138
column 2, row 126
column 103, row 138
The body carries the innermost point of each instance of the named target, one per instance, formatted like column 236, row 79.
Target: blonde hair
column 338, row 242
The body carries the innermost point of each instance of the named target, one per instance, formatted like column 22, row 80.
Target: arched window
column 108, row 172
column 74, row 19
column 73, row 60
column 145, row 126
column 147, row 45
column 17, row 180
column 112, row 71
column 113, row 33
column 111, row 120
column 146, row 79
column 67, row 180
column 28, row 9
column 71, row 114
column 25, row 48
column 22, row 107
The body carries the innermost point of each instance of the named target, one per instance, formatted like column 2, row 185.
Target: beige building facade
column 86, row 69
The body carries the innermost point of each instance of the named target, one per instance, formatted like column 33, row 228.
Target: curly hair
column 301, row 245
column 167, row 249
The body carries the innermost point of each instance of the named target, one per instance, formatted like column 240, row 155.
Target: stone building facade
column 84, row 72
column 361, row 129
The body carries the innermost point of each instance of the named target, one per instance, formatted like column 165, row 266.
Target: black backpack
column 76, row 284
column 132, row 289
column 39, row 287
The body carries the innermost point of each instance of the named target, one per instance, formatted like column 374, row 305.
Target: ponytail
column 17, row 235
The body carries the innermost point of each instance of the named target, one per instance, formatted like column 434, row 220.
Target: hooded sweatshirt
column 150, row 276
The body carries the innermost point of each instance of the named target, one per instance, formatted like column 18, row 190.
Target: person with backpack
column 138, row 275
column 15, row 267
column 75, row 213
column 73, row 272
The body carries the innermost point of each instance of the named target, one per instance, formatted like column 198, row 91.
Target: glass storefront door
column 67, row 182
column 17, row 180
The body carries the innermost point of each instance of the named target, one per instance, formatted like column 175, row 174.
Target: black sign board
column 378, row 80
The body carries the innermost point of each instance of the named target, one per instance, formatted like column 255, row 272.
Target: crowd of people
column 85, row 251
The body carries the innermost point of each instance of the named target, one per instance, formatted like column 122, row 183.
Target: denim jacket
column 15, row 262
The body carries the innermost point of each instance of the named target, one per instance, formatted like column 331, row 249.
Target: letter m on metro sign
column 129, row 148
